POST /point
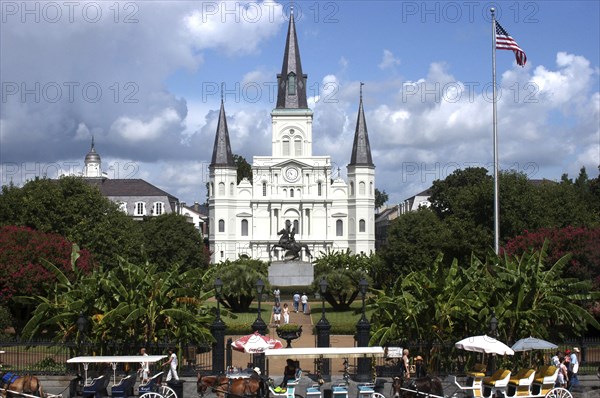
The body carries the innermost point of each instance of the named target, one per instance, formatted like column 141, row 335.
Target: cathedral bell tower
column 291, row 119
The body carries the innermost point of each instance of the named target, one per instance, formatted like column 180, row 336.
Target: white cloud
column 135, row 130
column 388, row 60
column 234, row 27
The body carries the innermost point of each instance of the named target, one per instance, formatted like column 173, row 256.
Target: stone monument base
column 291, row 273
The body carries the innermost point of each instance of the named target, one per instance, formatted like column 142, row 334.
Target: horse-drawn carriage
column 13, row 385
column 239, row 386
column 98, row 387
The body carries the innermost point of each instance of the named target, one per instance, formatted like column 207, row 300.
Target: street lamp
column 218, row 330
column 82, row 324
column 323, row 331
column 363, row 332
column 259, row 326
column 494, row 334
column 218, row 289
column 363, row 286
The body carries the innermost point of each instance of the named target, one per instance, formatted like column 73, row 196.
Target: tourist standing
column 277, row 313
column 286, row 314
column 296, row 301
column 304, row 300
column 144, row 367
column 277, row 294
column 574, row 368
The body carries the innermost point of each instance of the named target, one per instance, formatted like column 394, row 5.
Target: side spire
column 222, row 155
column 361, row 149
column 291, row 91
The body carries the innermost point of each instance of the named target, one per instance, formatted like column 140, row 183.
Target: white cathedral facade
column 327, row 213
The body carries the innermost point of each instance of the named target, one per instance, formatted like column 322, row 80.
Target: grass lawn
column 338, row 319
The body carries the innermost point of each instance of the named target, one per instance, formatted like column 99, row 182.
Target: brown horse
column 417, row 388
column 226, row 387
column 27, row 384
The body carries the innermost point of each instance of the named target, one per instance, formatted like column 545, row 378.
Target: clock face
column 291, row 174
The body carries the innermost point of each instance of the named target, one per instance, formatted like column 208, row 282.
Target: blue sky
column 143, row 78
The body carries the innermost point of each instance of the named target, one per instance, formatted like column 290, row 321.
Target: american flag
column 505, row 42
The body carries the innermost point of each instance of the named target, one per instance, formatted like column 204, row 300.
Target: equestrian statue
column 288, row 243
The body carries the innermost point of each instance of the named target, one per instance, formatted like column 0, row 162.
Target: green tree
column 130, row 303
column 381, row 197
column 241, row 276
column 342, row 271
column 415, row 240
column 244, row 169
column 436, row 304
column 532, row 298
column 72, row 208
column 170, row 239
column 22, row 251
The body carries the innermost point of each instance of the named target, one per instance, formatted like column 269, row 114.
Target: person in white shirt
column 574, row 368
column 144, row 367
column 172, row 373
column 304, row 301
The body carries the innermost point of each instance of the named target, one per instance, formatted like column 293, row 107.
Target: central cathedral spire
column 291, row 91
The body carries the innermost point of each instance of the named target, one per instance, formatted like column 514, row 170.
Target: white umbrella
column 485, row 344
column 532, row 343
column 255, row 343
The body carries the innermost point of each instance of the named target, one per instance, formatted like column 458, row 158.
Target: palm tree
column 129, row 303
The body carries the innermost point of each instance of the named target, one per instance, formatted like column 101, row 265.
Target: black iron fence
column 47, row 357
column 50, row 358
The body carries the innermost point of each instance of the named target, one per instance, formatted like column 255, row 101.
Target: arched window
column 296, row 226
column 291, row 193
column 231, row 189
column 362, row 226
column 298, row 146
column 292, row 84
column 361, row 188
column 221, row 189
column 264, row 188
column 351, row 188
column 221, row 225
column 285, row 146
column 319, row 189
column 371, row 187
column 244, row 227
column 158, row 209
column 139, row 209
column 339, row 228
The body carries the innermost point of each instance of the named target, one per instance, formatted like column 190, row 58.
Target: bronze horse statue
column 419, row 387
column 223, row 386
column 27, row 384
column 288, row 243
column 292, row 249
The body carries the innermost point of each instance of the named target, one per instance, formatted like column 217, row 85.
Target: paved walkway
column 307, row 339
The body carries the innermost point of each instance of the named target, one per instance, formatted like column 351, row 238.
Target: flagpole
column 495, row 132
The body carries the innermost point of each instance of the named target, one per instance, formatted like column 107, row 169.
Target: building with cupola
column 134, row 196
column 292, row 184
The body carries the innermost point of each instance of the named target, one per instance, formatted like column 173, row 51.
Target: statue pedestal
column 291, row 273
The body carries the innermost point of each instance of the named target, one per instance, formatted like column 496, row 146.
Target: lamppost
column 494, row 334
column 323, row 331
column 82, row 324
column 259, row 326
column 363, row 331
column 218, row 330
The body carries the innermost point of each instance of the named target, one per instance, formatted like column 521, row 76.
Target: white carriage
column 98, row 387
column 339, row 390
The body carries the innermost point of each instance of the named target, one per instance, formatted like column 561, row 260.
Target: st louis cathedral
column 291, row 186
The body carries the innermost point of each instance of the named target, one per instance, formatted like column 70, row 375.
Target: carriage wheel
column 167, row 392
column 151, row 395
column 559, row 393
column 377, row 395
